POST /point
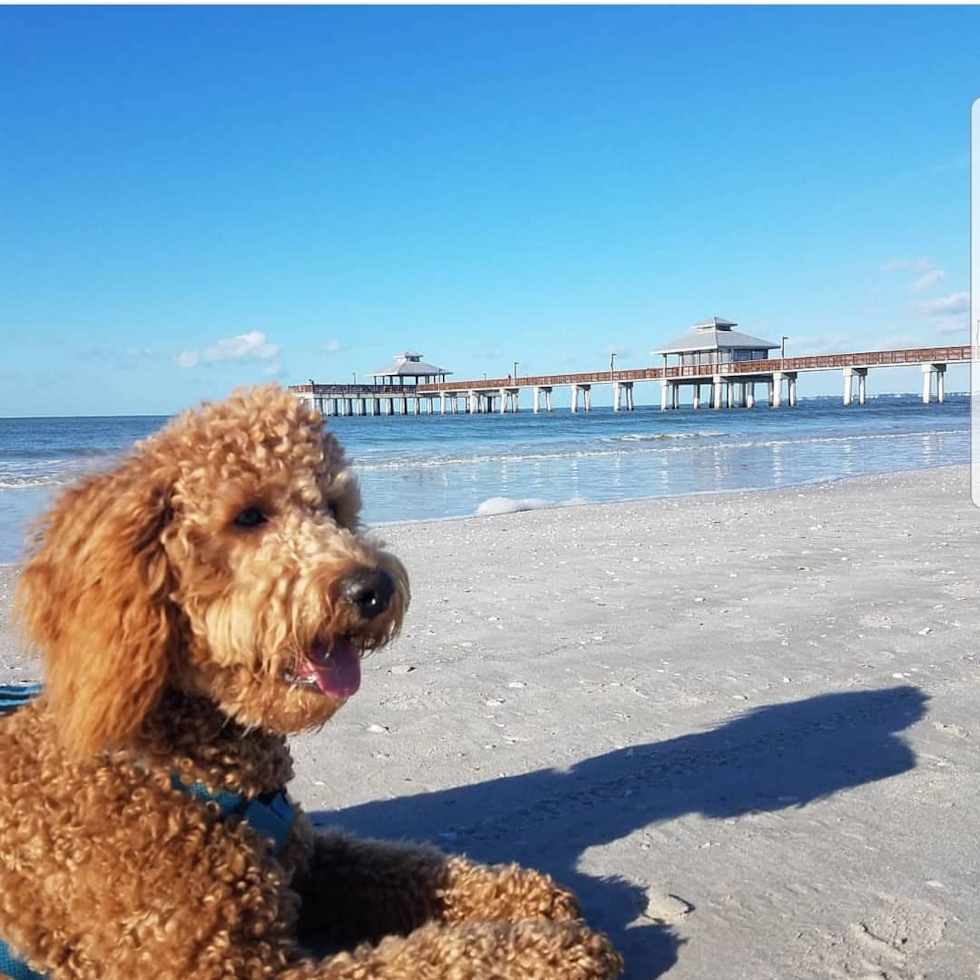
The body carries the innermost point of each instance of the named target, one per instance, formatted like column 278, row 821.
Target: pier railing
column 822, row 362
column 816, row 362
column 353, row 390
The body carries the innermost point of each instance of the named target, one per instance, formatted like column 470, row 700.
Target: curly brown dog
column 209, row 595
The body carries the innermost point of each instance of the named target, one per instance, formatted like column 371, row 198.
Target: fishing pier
column 717, row 376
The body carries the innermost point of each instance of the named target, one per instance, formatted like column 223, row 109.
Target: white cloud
column 946, row 305
column 808, row 345
column 929, row 279
column 273, row 369
column 954, row 325
column 245, row 346
column 896, row 341
column 620, row 350
column 886, row 337
column 921, row 264
column 333, row 346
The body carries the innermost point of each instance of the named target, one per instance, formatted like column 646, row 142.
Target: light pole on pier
column 612, row 364
column 515, row 369
column 782, row 352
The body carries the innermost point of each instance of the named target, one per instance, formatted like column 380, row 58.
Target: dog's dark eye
column 332, row 512
column 250, row 517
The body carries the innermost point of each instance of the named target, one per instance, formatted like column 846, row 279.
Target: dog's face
column 280, row 591
column 225, row 559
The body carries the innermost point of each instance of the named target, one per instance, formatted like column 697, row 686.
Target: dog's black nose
column 369, row 591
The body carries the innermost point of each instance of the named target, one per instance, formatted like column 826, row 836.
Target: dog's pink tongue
column 337, row 673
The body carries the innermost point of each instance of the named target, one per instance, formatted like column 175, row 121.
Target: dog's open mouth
column 333, row 666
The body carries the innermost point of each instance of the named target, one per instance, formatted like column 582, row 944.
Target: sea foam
column 494, row 506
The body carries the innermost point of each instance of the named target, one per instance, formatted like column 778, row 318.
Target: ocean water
column 425, row 467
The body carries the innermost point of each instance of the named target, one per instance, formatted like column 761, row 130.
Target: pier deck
column 729, row 384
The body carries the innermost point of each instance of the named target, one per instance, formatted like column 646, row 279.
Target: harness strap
column 15, row 968
column 271, row 819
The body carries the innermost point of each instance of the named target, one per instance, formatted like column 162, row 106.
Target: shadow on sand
column 772, row 758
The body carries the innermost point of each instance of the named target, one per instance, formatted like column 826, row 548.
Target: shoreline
column 451, row 470
column 741, row 726
column 690, row 494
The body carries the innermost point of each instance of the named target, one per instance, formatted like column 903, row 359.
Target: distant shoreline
column 802, row 400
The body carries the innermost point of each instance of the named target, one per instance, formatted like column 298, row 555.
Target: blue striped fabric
column 12, row 697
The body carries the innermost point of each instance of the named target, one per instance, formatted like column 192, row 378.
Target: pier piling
column 777, row 389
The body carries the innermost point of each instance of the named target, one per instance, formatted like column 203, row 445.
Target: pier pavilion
column 409, row 368
column 395, row 385
column 705, row 354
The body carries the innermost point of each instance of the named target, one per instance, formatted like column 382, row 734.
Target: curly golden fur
column 188, row 606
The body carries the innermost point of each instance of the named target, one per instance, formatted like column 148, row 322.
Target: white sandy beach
column 743, row 727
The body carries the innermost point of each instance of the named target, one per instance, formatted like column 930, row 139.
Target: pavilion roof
column 715, row 333
column 408, row 364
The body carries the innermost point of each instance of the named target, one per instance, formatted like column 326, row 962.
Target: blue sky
column 195, row 198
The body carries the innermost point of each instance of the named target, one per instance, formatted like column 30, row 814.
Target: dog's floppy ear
column 93, row 596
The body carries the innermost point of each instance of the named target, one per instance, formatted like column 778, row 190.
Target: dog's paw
column 504, row 893
column 531, row 950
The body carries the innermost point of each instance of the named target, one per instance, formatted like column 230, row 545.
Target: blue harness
column 271, row 817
